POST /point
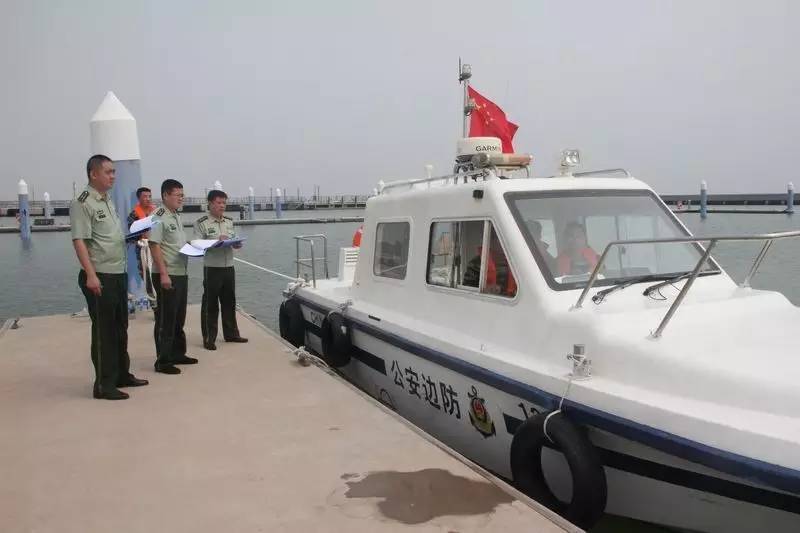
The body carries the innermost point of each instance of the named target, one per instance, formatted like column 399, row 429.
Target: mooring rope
column 265, row 269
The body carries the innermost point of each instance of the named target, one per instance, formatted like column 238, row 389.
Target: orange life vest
column 565, row 261
column 140, row 212
column 357, row 237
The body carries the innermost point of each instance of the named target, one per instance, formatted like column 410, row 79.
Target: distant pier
column 235, row 204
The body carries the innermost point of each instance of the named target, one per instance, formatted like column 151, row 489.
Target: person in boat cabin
column 536, row 232
column 576, row 257
column 499, row 279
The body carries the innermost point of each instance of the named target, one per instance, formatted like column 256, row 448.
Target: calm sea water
column 41, row 279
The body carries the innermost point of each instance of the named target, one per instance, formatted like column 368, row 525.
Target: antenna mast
column 464, row 74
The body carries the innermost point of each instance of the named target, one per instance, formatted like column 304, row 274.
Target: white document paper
column 191, row 251
column 204, row 244
column 142, row 225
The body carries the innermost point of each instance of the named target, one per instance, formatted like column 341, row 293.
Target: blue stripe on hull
column 776, row 476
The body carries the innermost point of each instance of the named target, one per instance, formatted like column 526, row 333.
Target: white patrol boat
column 571, row 335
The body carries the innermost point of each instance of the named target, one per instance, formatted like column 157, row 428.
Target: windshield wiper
column 653, row 288
column 599, row 296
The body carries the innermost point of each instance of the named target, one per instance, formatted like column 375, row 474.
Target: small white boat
column 570, row 335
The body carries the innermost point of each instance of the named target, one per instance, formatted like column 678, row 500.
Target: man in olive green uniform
column 100, row 246
column 219, row 277
column 171, row 281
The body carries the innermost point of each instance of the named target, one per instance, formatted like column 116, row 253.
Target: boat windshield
column 567, row 232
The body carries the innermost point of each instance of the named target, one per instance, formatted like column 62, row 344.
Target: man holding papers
column 171, row 281
column 219, row 278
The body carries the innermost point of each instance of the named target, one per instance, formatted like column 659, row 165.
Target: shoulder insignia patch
column 84, row 195
column 160, row 211
column 203, row 218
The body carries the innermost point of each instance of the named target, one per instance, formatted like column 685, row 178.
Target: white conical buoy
column 113, row 134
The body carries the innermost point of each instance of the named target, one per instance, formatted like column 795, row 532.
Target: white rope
column 265, row 269
column 147, row 269
column 557, row 411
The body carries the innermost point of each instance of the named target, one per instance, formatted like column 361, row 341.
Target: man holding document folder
column 219, row 277
column 171, row 281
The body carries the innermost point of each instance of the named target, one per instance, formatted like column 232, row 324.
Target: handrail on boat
column 602, row 172
column 712, row 242
column 454, row 178
column 312, row 261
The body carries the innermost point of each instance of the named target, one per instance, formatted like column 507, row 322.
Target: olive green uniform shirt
column 94, row 220
column 208, row 227
column 169, row 234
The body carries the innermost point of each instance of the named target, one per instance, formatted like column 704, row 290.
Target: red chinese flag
column 488, row 120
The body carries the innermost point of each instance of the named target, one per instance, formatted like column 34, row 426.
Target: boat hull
column 479, row 421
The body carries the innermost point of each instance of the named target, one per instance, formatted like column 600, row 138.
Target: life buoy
column 336, row 343
column 589, row 490
column 291, row 322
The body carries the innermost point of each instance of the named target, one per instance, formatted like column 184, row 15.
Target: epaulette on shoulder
column 160, row 211
column 202, row 218
column 229, row 218
column 84, row 195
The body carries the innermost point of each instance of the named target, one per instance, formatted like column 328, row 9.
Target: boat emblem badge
column 479, row 417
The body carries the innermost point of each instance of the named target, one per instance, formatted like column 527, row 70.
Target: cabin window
column 467, row 255
column 567, row 231
column 391, row 250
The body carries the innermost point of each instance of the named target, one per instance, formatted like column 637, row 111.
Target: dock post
column 113, row 133
column 790, row 199
column 703, row 199
column 48, row 212
column 24, row 211
column 251, row 208
column 278, row 207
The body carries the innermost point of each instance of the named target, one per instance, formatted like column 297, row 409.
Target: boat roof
column 443, row 184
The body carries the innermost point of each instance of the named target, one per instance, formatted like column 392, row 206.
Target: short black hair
column 169, row 185
column 95, row 162
column 140, row 190
column 214, row 194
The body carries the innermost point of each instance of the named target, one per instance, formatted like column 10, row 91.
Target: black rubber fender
column 291, row 323
column 589, row 488
column 336, row 342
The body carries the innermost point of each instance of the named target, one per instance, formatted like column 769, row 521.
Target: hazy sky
column 343, row 93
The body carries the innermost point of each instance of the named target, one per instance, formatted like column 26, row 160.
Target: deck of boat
column 247, row 440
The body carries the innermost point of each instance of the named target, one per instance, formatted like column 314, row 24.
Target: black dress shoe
column 184, row 360
column 132, row 381
column 168, row 369
column 110, row 394
column 209, row 346
column 236, row 339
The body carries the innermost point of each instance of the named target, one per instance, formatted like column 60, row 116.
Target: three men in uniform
column 99, row 244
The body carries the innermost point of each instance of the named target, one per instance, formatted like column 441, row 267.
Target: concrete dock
column 247, row 440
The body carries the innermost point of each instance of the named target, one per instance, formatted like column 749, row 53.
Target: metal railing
column 454, row 179
column 712, row 240
column 311, row 262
